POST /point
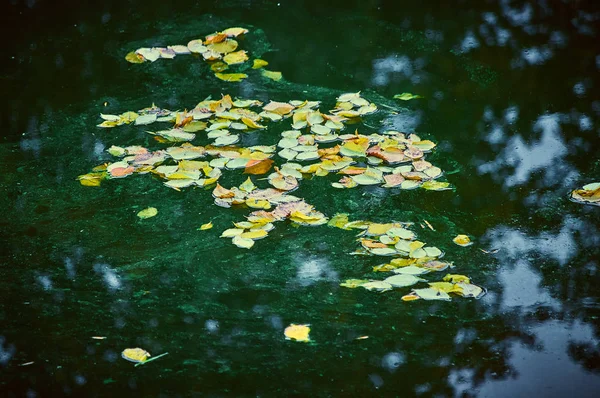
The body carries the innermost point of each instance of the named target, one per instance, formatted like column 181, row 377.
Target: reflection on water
column 510, row 92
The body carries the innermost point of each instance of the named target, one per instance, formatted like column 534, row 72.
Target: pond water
column 510, row 95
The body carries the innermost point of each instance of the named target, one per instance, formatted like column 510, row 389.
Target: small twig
column 151, row 359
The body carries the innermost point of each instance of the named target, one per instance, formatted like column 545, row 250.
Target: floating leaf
column 280, row 108
column 232, row 232
column 406, row 96
column 470, row 290
column 254, row 234
column 225, row 47
column 455, row 278
column 436, row 185
column 297, row 333
column 411, row 270
column 462, row 240
column 432, row 294
column 91, row 179
column 242, row 242
column 206, row 226
column 259, row 63
column 272, row 75
column 231, row 77
column 147, row 213
column 234, row 32
column 353, row 283
column 433, row 252
column 258, row 167
column 403, row 280
column 237, row 57
column 145, row 119
column 134, row 58
column 589, row 194
column 339, row 220
column 135, row 355
column 379, row 286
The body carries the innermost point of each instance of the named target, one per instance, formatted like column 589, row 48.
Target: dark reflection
column 510, row 94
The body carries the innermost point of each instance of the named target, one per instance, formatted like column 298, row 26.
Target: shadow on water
column 511, row 97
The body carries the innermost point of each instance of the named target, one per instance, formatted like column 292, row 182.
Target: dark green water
column 512, row 99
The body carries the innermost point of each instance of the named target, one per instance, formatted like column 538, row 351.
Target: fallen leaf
column 272, row 75
column 206, row 226
column 136, row 355
column 134, row 58
column 147, row 213
column 353, row 283
column 258, row 167
column 462, row 240
column 259, row 63
column 237, row 57
column 297, row 333
column 406, row 96
column 231, row 77
column 242, row 242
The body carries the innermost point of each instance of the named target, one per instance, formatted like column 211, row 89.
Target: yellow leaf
column 254, row 234
column 251, row 123
column 272, row 75
column 248, row 185
column 339, row 221
column 221, row 193
column 91, row 179
column 447, row 287
column 219, row 66
column 231, row 77
column 455, row 278
column 259, row 63
column 234, row 32
column 410, row 297
column 462, row 240
column 297, row 333
column 147, row 213
column 135, row 355
column 280, row 108
column 353, row 283
column 242, row 242
column 237, row 57
column 232, row 232
column 134, row 58
column 379, row 229
column 223, row 47
column 258, row 167
column 258, row 204
column 206, row 226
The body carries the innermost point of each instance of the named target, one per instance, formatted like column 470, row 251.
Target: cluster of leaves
column 218, row 49
column 314, row 146
column 361, row 159
column 412, row 259
column 589, row 194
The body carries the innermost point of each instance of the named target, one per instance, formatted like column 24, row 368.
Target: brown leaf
column 258, row 166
